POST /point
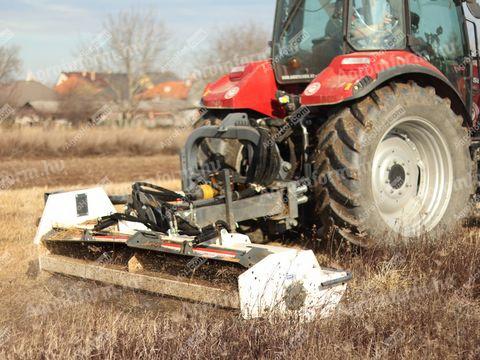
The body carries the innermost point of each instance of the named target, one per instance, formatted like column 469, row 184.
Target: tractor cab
column 309, row 34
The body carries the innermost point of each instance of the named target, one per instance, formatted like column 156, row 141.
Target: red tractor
column 371, row 105
column 362, row 126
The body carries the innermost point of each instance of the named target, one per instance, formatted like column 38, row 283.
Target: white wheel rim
column 412, row 176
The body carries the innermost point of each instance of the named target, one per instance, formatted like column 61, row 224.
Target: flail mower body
column 262, row 280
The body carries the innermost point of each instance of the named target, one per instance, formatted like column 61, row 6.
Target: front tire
column 396, row 164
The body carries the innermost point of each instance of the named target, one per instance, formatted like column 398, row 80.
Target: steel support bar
column 140, row 281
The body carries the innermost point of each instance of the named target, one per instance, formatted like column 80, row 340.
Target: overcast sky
column 48, row 31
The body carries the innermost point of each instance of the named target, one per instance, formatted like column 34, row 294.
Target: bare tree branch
column 136, row 42
column 10, row 63
column 234, row 46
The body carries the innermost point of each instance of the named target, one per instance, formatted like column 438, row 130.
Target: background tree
column 230, row 47
column 133, row 43
column 78, row 105
column 10, row 63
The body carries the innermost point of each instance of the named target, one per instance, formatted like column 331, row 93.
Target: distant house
column 165, row 112
column 27, row 115
column 104, row 86
column 35, row 112
column 160, row 97
column 71, row 82
column 178, row 90
column 19, row 93
column 112, row 86
column 32, row 102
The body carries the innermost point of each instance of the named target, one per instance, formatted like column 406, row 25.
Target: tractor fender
column 353, row 76
column 248, row 87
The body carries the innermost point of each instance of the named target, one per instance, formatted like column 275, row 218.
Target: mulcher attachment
column 79, row 228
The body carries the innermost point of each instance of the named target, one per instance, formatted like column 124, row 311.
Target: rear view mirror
column 474, row 8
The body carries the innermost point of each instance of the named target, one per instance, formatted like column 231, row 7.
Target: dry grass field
column 409, row 301
column 40, row 143
column 57, row 157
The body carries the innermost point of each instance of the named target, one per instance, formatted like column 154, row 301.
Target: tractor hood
column 249, row 87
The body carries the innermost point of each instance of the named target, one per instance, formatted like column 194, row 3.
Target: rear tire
column 395, row 164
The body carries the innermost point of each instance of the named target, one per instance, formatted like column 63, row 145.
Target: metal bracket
column 229, row 200
column 234, row 127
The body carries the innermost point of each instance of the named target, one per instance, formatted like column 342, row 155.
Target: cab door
column 439, row 34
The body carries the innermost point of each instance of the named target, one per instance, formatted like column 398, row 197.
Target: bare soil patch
column 57, row 172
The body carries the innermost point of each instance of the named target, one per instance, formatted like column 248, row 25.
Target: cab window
column 377, row 25
column 438, row 36
column 308, row 35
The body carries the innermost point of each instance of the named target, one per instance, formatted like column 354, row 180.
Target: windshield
column 308, row 35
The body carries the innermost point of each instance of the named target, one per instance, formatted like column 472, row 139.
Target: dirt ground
column 54, row 173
